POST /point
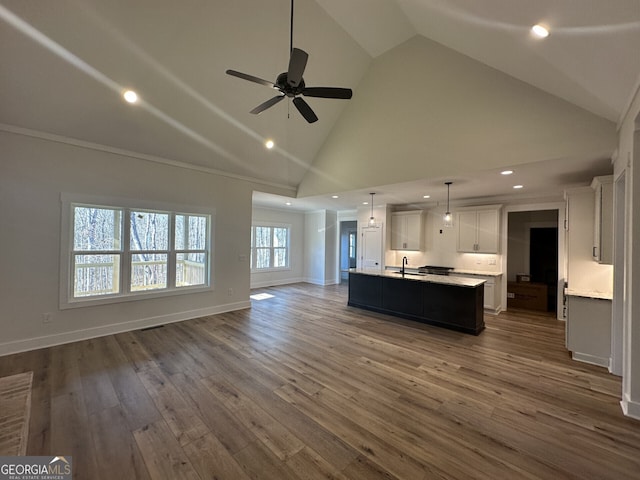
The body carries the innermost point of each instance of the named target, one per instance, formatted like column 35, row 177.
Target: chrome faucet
column 405, row 261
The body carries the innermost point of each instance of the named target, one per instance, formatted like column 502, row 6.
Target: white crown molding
column 51, row 137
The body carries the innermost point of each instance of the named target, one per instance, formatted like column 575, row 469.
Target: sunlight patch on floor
column 261, row 296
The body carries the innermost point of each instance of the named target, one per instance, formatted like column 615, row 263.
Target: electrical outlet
column 492, row 261
column 46, row 317
column 230, row 292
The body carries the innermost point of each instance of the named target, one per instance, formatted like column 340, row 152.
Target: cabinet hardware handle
column 594, row 252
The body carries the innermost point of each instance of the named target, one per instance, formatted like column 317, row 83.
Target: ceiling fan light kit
column 291, row 84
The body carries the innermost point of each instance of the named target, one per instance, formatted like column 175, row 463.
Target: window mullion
column 272, row 248
column 171, row 254
column 125, row 277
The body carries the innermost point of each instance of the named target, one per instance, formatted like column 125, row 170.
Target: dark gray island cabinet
column 451, row 302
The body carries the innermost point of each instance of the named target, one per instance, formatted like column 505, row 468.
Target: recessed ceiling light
column 130, row 96
column 517, row 187
column 540, row 31
column 288, row 203
column 269, row 144
column 365, row 203
column 426, row 196
column 335, row 196
column 506, row 172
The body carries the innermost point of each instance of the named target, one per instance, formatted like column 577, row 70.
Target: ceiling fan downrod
column 291, row 30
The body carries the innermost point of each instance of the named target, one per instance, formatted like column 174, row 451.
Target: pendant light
column 448, row 218
column 372, row 220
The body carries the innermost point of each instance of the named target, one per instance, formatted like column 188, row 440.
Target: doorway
column 543, row 261
column 534, row 252
column 371, row 247
column 348, row 248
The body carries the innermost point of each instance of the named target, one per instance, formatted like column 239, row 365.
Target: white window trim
column 273, row 225
column 67, row 299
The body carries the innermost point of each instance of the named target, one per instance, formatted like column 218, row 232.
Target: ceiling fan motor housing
column 285, row 87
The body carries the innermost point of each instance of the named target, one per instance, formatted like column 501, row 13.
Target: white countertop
column 476, row 272
column 421, row 277
column 452, row 272
column 588, row 294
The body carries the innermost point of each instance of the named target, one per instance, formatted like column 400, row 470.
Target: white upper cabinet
column 467, row 231
column 478, row 229
column 603, row 225
column 407, row 230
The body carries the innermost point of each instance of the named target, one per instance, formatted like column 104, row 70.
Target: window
column 270, row 247
column 352, row 244
column 97, row 254
column 117, row 253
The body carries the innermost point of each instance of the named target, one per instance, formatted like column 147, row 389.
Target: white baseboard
column 630, row 408
column 321, row 281
column 18, row 346
column 275, row 283
column 592, row 359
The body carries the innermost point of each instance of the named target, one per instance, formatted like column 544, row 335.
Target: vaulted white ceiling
column 65, row 63
column 591, row 58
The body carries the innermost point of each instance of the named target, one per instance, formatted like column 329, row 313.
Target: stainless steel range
column 435, row 270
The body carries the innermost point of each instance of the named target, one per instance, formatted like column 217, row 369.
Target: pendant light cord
column 371, row 218
column 372, row 205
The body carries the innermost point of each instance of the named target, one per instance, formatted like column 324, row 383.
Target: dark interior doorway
column 543, row 261
column 348, row 248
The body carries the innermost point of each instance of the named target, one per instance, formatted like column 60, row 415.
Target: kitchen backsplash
column 459, row 261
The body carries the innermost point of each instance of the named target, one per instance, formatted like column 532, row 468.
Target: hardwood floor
column 303, row 387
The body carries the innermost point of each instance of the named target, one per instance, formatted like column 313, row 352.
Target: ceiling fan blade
column 297, row 64
column 269, row 103
column 305, row 110
column 328, row 92
column 250, row 78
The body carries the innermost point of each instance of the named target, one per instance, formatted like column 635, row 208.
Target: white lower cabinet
column 589, row 329
column 489, row 294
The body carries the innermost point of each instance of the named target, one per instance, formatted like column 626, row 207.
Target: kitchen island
column 446, row 301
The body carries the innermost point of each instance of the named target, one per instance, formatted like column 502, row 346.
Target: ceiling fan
column 291, row 84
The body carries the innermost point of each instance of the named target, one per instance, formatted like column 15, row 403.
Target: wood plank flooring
column 301, row 386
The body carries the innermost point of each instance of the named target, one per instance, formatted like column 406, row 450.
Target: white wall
column 33, row 174
column 332, row 237
column 321, row 247
column 628, row 161
column 314, row 247
column 294, row 274
column 445, row 116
